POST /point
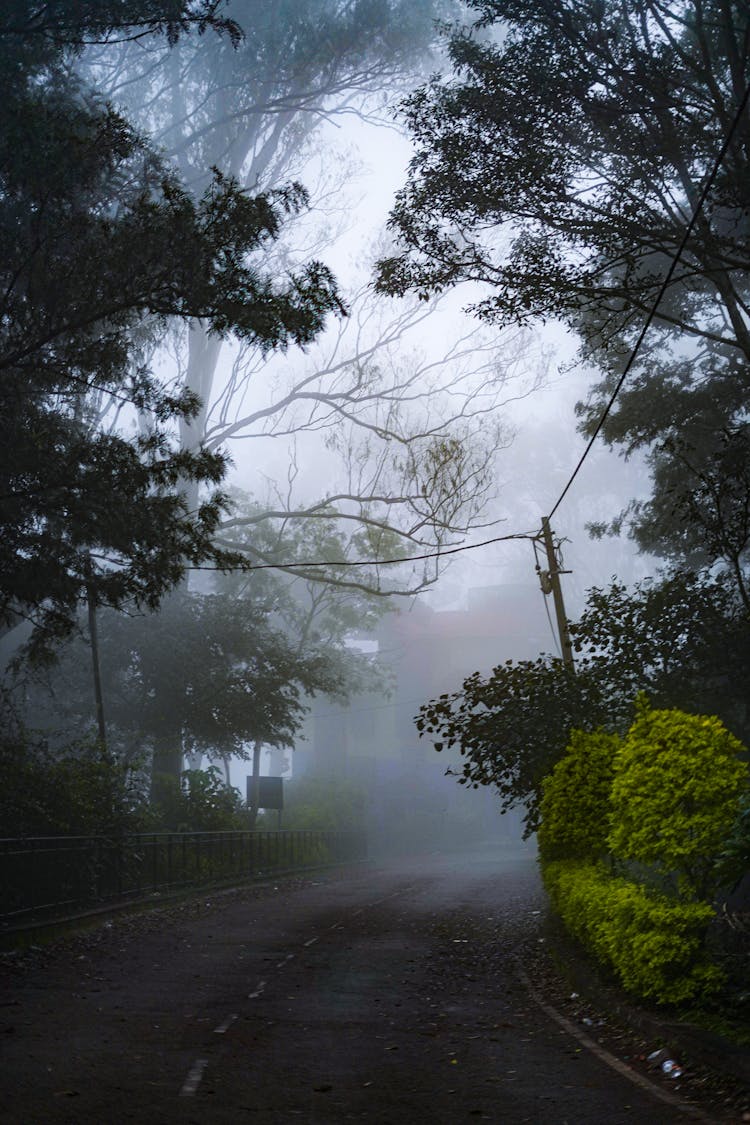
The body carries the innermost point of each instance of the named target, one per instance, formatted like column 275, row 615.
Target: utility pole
column 553, row 575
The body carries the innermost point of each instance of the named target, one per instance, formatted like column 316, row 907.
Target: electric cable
column 662, row 290
column 605, row 413
column 298, row 565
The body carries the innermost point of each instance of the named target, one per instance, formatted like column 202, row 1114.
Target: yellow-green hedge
column 653, row 943
column 575, row 798
column 678, row 782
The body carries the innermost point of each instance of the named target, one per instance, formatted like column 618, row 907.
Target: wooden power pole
column 554, row 572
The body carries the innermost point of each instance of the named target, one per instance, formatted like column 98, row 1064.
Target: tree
column 93, row 261
column 408, row 438
column 210, row 673
column 213, row 673
column 323, row 611
column 512, row 728
column 684, row 640
column 558, row 166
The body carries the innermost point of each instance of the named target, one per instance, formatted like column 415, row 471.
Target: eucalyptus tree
column 409, row 439
column 558, row 164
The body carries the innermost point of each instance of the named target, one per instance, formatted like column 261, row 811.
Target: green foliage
column 513, row 727
column 323, row 803
column 575, row 798
column 557, row 163
column 208, row 672
column 654, row 944
column 733, row 860
column 684, row 638
column 676, row 793
column 96, row 260
column 77, row 791
column 207, row 804
column 666, row 798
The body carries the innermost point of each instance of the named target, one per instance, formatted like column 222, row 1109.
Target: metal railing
column 45, row 876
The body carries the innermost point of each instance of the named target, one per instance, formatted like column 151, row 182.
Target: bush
column 676, row 795
column 733, row 860
column 76, row 791
column 654, row 944
column 202, row 802
column 575, row 798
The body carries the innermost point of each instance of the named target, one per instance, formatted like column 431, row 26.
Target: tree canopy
column 101, row 245
column 407, row 438
column 558, row 165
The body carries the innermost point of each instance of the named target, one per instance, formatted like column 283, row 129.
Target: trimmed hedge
column 667, row 798
column 655, row 945
column 676, row 795
column 575, row 798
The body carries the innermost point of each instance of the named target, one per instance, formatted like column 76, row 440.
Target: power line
column 667, row 279
column 298, row 565
column 345, row 563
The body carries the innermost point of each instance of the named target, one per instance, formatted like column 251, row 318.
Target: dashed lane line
column 194, row 1075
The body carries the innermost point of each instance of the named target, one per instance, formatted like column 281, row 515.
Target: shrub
column 676, row 795
column 575, row 798
column 207, row 804
column 76, row 791
column 654, row 944
column 734, row 858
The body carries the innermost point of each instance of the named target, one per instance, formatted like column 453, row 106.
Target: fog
column 487, row 606
column 404, row 428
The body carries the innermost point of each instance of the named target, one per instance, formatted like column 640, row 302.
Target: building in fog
column 374, row 742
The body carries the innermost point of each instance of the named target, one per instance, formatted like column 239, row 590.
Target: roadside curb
column 706, row 1047
column 611, row 1060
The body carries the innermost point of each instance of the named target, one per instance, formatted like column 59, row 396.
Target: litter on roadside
column 661, row 1060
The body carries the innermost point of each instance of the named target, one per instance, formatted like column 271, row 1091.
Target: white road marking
column 289, row 957
column 224, row 1027
column 310, row 942
column 258, row 990
column 192, row 1082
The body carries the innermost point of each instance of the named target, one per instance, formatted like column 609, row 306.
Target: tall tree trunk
column 166, row 768
column 94, row 642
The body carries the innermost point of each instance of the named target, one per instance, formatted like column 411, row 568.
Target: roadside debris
column 661, row 1060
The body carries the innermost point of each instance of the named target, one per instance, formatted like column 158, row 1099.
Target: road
column 386, row 995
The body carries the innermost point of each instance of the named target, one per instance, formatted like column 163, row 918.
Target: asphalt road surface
column 388, row 995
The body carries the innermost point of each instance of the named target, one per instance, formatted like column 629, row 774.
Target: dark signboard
column 270, row 792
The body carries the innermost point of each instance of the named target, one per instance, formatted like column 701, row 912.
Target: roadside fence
column 46, row 876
